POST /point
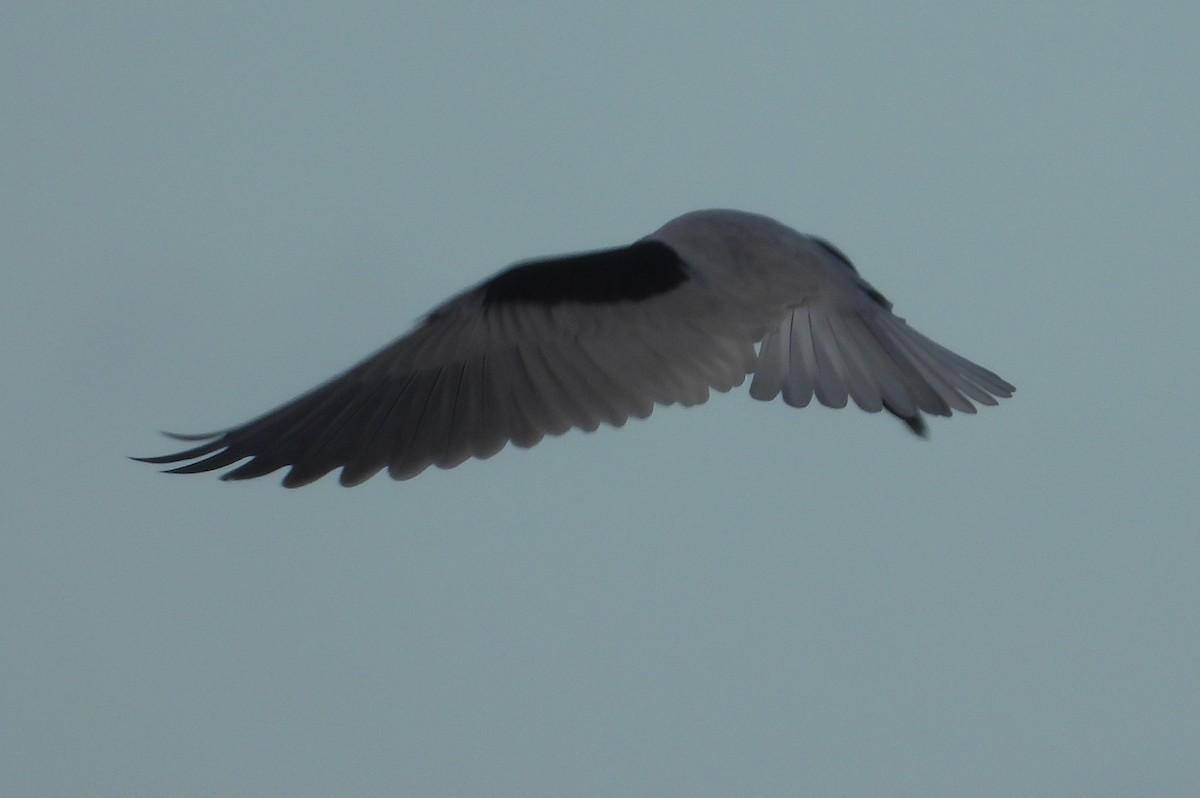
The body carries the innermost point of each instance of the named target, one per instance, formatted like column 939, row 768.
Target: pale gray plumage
column 598, row 338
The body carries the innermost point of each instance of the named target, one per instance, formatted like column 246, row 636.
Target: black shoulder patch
column 835, row 252
column 638, row 271
column 876, row 297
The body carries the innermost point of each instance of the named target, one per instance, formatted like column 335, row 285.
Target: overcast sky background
column 207, row 208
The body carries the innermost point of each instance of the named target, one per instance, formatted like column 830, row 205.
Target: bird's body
column 596, row 338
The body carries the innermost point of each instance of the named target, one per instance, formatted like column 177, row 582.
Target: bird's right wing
column 841, row 347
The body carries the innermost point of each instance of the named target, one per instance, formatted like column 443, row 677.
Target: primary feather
column 597, row 338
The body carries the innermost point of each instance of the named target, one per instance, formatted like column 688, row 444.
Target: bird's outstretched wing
column 856, row 348
column 536, row 350
column 845, row 342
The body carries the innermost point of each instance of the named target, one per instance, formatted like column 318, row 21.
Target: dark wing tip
column 212, row 443
column 202, row 436
column 917, row 425
column 915, row 422
column 217, row 452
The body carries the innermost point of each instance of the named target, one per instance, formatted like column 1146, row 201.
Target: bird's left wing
column 538, row 349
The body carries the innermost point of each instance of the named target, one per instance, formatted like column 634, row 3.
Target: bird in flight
column 578, row 340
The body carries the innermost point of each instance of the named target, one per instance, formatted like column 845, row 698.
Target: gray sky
column 208, row 208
